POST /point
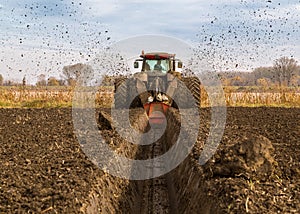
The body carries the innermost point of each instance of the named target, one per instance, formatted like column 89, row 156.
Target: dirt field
column 43, row 169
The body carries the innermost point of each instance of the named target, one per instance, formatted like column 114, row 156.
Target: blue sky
column 42, row 36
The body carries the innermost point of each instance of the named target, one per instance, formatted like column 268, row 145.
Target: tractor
column 157, row 86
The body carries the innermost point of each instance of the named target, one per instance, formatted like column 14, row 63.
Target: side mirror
column 136, row 64
column 179, row 65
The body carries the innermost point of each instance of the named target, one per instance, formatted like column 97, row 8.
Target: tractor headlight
column 150, row 99
column 165, row 98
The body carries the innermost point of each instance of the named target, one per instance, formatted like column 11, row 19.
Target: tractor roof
column 157, row 55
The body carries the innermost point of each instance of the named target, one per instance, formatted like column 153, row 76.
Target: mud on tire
column 193, row 84
column 120, row 96
column 182, row 97
column 125, row 89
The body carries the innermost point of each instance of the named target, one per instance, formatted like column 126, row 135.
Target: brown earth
column 256, row 168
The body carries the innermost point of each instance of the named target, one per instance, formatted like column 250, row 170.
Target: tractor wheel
column 120, row 93
column 182, row 97
column 132, row 91
column 193, row 84
column 118, row 81
column 125, row 89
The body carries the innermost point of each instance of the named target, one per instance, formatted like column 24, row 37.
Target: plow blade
column 156, row 112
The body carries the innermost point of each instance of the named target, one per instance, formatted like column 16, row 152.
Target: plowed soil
column 43, row 169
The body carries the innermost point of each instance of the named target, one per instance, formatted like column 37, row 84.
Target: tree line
column 69, row 77
column 284, row 72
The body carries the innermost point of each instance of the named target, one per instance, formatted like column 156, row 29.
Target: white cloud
column 100, row 8
column 126, row 18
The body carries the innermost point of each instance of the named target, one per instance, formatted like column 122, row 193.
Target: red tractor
column 157, row 86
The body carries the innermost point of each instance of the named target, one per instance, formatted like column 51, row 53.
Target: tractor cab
column 156, row 70
column 156, row 84
column 158, row 62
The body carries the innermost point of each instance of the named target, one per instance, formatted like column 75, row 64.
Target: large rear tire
column 182, row 97
column 125, row 89
column 194, row 85
column 133, row 94
column 120, row 96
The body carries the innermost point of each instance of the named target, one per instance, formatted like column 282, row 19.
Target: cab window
column 150, row 64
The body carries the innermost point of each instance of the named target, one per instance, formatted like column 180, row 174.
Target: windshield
column 158, row 65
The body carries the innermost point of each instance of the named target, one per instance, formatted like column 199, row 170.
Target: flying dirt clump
column 250, row 156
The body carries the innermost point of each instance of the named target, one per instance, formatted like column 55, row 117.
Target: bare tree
column 284, row 69
column 263, row 73
column 24, row 81
column 71, row 73
column 1, row 80
column 61, row 82
column 41, row 80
